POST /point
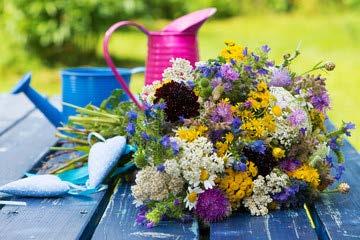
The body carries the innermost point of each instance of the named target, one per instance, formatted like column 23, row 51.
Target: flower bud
column 344, row 188
column 329, row 66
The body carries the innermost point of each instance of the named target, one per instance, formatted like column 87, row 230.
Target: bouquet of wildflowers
column 235, row 133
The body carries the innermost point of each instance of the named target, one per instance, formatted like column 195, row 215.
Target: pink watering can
column 176, row 40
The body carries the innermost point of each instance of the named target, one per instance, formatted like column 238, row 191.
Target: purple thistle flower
column 239, row 166
column 297, row 117
column 258, row 146
column 160, row 168
column 290, row 165
column 280, row 78
column 215, row 82
column 130, row 128
column 212, row 205
column 222, row 113
column 132, row 115
column 348, row 126
column 228, row 86
column 228, row 73
column 320, row 101
column 265, row 49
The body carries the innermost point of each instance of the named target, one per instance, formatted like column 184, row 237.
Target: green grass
column 323, row 37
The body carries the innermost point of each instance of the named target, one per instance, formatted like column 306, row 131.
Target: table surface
column 25, row 137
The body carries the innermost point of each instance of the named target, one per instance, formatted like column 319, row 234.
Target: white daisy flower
column 192, row 197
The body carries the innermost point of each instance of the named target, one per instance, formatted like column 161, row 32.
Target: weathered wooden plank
column 289, row 224
column 13, row 108
column 118, row 222
column 338, row 214
column 22, row 145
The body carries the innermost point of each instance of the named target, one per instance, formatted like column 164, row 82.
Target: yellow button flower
column 278, row 152
column 277, row 111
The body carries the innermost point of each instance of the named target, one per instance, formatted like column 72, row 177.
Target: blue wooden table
column 25, row 137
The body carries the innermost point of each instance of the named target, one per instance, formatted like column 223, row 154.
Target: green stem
column 70, row 139
column 70, row 164
column 73, row 130
column 81, row 120
column 62, row 148
column 91, row 112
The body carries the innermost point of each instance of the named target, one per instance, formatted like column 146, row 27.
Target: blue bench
column 25, row 137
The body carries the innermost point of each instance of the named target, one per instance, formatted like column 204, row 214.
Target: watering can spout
column 50, row 112
column 191, row 22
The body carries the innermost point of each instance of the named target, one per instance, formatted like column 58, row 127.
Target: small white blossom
column 180, row 71
column 192, row 197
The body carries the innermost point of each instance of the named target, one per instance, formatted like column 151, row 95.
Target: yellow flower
column 204, row 175
column 232, row 51
column 278, row 152
column 221, row 148
column 306, row 173
column 187, row 134
column 277, row 111
column 237, row 185
column 229, row 137
column 192, row 197
column 262, row 86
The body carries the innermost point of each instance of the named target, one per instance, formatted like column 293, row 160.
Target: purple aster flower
column 256, row 57
column 269, row 63
column 247, row 104
column 320, row 101
column 212, row 205
column 290, row 165
column 132, row 115
column 175, row 147
column 222, row 113
column 339, row 172
column 262, row 71
column 348, row 126
column 258, row 146
column 265, row 49
column 247, row 68
column 160, row 168
column 176, row 202
column 333, row 144
column 245, row 51
column 215, row 82
column 280, row 78
column 165, row 141
column 297, row 117
column 329, row 160
column 303, row 131
column 239, row 166
column 228, row 73
column 145, row 136
column 130, row 128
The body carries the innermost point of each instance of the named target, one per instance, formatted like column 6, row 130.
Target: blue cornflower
column 233, row 62
column 348, row 126
column 130, row 128
column 263, row 71
column 191, row 84
column 247, row 68
column 329, row 160
column 132, row 115
column 258, row 146
column 265, row 49
column 159, row 106
column 333, row 144
column 303, row 131
column 160, row 168
column 239, row 166
column 236, row 123
column 256, row 57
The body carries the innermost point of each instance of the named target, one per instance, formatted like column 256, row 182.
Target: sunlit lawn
column 328, row 37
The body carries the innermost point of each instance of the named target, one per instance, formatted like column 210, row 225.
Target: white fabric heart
column 36, row 186
column 103, row 156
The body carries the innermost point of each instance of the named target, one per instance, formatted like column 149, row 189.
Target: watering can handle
column 110, row 62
